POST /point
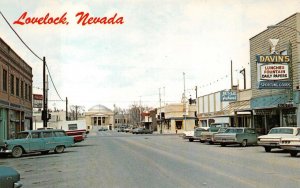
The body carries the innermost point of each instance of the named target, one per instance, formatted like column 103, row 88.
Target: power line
column 31, row 52
column 53, row 83
column 20, row 37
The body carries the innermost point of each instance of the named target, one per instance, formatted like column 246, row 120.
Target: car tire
column 211, row 142
column 202, row 141
column 267, row 149
column 17, row 152
column 244, row 143
column 293, row 153
column 59, row 149
column 191, row 139
column 222, row 144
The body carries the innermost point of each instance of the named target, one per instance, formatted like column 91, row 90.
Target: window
column 178, row 124
column 4, row 80
column 29, row 95
column 72, row 126
column 12, row 84
column 283, row 52
column 17, row 87
column 26, row 90
column 59, row 134
column 36, row 135
column 22, row 89
column 47, row 134
column 22, row 135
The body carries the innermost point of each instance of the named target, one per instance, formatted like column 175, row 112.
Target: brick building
column 15, row 93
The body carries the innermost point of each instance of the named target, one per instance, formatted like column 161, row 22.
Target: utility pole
column 67, row 109
column 231, row 74
column 160, row 112
column 185, row 102
column 45, row 99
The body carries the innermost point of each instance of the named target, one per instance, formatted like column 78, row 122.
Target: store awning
column 238, row 106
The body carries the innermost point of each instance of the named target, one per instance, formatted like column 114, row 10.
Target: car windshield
column 234, row 131
column 281, row 131
column 22, row 135
column 222, row 130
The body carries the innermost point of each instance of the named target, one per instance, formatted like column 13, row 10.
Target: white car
column 188, row 134
column 272, row 139
column 291, row 144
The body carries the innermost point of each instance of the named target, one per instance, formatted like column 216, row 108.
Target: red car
column 79, row 135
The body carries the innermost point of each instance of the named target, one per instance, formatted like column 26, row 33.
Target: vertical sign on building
column 37, row 101
column 273, row 69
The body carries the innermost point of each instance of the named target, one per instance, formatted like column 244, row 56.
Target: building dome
column 100, row 108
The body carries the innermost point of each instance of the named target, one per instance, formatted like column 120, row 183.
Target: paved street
column 112, row 159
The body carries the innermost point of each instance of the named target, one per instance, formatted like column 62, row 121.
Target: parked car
column 9, row 177
column 208, row 136
column 291, row 144
column 188, row 134
column 237, row 135
column 272, row 139
column 78, row 135
column 36, row 141
column 102, row 128
column 141, row 130
column 197, row 132
column 128, row 130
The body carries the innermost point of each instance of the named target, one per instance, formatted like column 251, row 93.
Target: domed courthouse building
column 99, row 115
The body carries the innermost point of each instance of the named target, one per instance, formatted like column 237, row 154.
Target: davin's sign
column 272, row 58
column 273, row 69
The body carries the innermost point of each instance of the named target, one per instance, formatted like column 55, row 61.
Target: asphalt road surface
column 112, row 159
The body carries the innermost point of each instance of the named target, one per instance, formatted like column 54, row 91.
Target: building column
column 280, row 118
column 298, row 114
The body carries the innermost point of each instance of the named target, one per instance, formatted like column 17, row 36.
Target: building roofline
column 17, row 55
column 275, row 24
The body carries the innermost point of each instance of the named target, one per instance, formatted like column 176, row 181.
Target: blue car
column 36, row 141
column 9, row 177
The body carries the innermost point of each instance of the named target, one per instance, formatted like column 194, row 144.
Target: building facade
column 275, row 83
column 99, row 115
column 227, row 106
column 176, row 118
column 15, row 93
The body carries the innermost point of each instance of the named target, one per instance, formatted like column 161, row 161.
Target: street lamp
column 243, row 72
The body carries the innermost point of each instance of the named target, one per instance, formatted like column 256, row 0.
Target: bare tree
column 76, row 111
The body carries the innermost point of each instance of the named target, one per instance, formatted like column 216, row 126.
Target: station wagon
column 36, row 141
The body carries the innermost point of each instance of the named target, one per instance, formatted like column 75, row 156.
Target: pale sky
column 159, row 40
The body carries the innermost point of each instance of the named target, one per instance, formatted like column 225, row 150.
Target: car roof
column 46, row 130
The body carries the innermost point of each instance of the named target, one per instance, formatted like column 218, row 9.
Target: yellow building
column 176, row 117
column 99, row 115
